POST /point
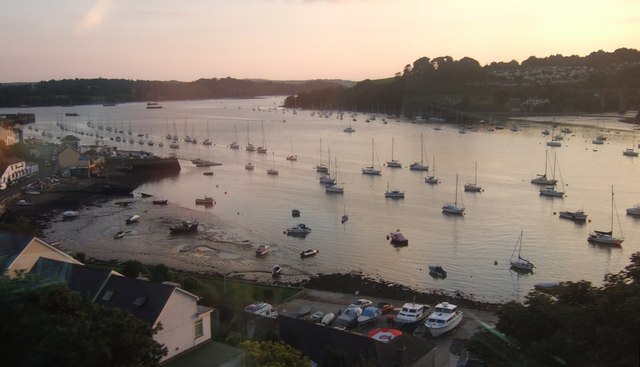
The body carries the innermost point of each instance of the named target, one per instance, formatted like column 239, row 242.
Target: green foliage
column 272, row 354
column 80, row 256
column 53, row 327
column 19, row 224
column 133, row 268
column 577, row 325
column 159, row 273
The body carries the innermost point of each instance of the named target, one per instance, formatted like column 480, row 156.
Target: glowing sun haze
column 294, row 39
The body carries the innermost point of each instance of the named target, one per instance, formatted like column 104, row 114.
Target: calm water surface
column 474, row 249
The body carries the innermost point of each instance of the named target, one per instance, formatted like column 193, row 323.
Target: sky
column 294, row 39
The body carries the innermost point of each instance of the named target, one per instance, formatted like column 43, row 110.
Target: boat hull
column 452, row 324
column 575, row 216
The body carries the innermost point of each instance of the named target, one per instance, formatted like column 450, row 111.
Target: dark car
column 384, row 307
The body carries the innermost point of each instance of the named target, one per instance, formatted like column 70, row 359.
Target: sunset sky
column 294, row 39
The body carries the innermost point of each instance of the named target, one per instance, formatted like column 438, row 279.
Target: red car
column 385, row 307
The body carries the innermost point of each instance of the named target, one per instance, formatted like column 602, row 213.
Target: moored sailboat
column 606, row 238
column 519, row 263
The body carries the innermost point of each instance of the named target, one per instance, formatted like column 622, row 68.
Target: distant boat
column 299, row 230
column 606, row 238
column 132, row 219
column 371, row 170
column 70, row 214
column 345, row 218
column 309, row 252
column 185, row 227
column 420, row 166
column 153, row 105
column 432, row 179
column 295, row 213
column 634, row 210
column 397, row 238
column 276, row 270
column 437, row 271
column 577, row 216
column 518, row 262
column 249, row 166
column 273, row 170
column 393, row 163
column 161, row 202
column 453, row 208
column 321, row 168
column 207, row 200
column 473, row 187
column 394, row 194
column 263, row 250
column 542, row 179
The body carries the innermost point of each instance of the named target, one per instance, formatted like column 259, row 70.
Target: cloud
column 94, row 17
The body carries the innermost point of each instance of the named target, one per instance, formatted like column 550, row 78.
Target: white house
column 18, row 253
column 15, row 169
column 183, row 323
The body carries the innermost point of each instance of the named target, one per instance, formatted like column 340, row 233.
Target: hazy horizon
column 293, row 39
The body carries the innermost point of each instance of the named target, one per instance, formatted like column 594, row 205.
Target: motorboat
column 397, row 238
column 630, row 152
column 70, row 214
column 299, row 230
column 411, row 314
column 551, row 191
column 234, row 145
column 160, row 202
column 207, row 200
column 444, row 318
column 276, row 270
column 261, row 309
column 309, row 252
column 437, row 271
column 132, row 219
column 185, row 227
column 207, row 173
column 519, row 263
column 120, row 234
column 292, row 157
column 577, row 216
column 369, row 315
column 349, row 317
column 249, row 166
column 263, row 250
column 361, row 302
column 394, row 194
column 634, row 210
column 327, row 319
column 554, row 143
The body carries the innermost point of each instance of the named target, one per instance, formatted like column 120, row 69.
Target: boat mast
column 611, row 228
column 456, row 201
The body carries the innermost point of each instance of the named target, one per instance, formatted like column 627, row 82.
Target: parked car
column 385, row 307
column 349, row 318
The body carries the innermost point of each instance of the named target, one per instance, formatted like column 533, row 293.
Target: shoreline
column 216, row 250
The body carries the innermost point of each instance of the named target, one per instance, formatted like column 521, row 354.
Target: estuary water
column 474, row 249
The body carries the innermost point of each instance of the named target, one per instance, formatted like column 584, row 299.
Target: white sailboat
column 335, row 188
column 393, row 163
column 321, row 168
column 273, row 170
column 250, row 147
column 349, row 129
column 473, row 187
column 542, row 179
column 207, row 141
column 234, row 144
column 518, row 262
column 326, row 179
column 262, row 149
column 432, row 179
column 550, row 190
column 371, row 170
column 292, row 157
column 420, row 166
column 606, row 238
column 631, row 152
column 453, row 208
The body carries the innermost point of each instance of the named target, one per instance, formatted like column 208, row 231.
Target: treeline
column 445, row 87
column 96, row 91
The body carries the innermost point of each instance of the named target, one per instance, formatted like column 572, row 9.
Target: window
column 199, row 329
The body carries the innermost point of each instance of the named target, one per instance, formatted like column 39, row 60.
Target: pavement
column 332, row 302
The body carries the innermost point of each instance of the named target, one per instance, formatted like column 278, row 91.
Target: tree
column 577, row 325
column 51, row 326
column 133, row 268
column 272, row 354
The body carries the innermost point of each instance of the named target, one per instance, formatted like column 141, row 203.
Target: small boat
column 393, row 163
column 299, row 230
column 120, row 234
column 394, row 194
column 273, row 170
column 369, row 315
column 542, row 179
column 432, row 180
column 577, row 216
column 437, row 271
column 519, row 263
column 132, row 219
column 207, row 200
column 371, row 170
column 327, row 319
column 420, row 166
column 397, row 238
column 208, row 173
column 70, row 214
column 606, row 238
column 145, row 195
column 551, row 191
column 249, row 166
column 544, row 286
column 160, row 202
column 630, row 152
column 263, row 250
column 275, row 272
column 295, row 213
column 309, row 252
column 23, row 203
column 411, row 314
column 453, row 208
column 345, row 218
column 185, row 227
column 473, row 187
column 634, row 210
column 444, row 318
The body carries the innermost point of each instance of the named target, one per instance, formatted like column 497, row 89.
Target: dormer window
column 107, row 296
column 140, row 301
